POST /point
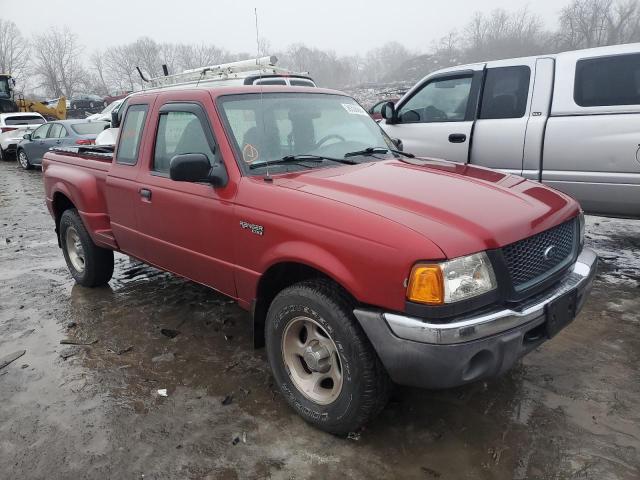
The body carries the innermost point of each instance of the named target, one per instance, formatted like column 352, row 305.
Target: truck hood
column 461, row 208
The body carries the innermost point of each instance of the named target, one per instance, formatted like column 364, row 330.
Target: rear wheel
column 321, row 359
column 90, row 265
column 23, row 160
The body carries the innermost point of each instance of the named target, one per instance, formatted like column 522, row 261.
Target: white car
column 107, row 137
column 105, row 115
column 13, row 127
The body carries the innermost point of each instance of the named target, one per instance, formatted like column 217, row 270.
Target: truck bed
column 83, row 170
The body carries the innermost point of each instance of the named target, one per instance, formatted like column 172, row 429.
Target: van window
column 130, row 134
column 271, row 82
column 505, row 92
column 179, row 133
column 298, row 82
column 608, row 81
column 441, row 100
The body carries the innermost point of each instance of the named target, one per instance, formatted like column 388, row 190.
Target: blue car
column 63, row 133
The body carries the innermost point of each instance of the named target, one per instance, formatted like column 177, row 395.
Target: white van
column 571, row 121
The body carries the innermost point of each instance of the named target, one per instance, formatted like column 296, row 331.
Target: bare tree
column 14, row 49
column 193, row 56
column 98, row 73
column 502, row 34
column 57, row 62
column 593, row 23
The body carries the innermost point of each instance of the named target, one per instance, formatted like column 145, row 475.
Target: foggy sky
column 346, row 26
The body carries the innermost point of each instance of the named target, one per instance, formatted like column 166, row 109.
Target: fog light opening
column 479, row 365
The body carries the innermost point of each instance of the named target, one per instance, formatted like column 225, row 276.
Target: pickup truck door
column 504, row 111
column 435, row 118
column 187, row 225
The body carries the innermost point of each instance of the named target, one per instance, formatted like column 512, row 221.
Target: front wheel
column 90, row 265
column 23, row 160
column 321, row 359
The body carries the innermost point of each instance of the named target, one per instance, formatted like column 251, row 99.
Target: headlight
column 451, row 281
column 581, row 224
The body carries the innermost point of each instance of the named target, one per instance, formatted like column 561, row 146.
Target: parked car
column 105, row 115
column 360, row 265
column 56, row 134
column 13, row 126
column 569, row 120
column 86, row 102
column 376, row 110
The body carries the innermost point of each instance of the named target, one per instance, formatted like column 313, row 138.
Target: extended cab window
column 130, row 134
column 179, row 133
column 441, row 100
column 608, row 81
column 505, row 93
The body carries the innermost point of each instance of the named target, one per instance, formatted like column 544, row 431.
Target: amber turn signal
column 426, row 284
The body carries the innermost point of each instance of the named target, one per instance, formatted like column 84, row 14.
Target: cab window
column 130, row 134
column 607, row 81
column 179, row 133
column 441, row 100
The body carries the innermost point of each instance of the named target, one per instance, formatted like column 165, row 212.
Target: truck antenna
column 267, row 177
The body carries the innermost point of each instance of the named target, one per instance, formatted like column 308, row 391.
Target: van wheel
column 90, row 265
column 3, row 155
column 23, row 160
column 321, row 359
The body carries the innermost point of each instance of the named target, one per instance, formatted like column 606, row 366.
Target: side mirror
column 195, row 167
column 398, row 143
column 115, row 120
column 27, row 136
column 389, row 113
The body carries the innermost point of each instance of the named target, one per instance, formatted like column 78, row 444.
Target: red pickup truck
column 361, row 265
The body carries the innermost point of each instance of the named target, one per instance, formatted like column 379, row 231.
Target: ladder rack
column 225, row 73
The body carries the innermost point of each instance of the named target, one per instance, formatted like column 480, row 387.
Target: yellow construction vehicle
column 12, row 102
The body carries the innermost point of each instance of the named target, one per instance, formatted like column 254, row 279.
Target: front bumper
column 442, row 355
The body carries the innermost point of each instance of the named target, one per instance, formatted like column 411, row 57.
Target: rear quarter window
column 608, row 81
column 24, row 120
column 505, row 94
column 92, row 128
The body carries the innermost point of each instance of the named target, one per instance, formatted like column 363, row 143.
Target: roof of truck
column 242, row 89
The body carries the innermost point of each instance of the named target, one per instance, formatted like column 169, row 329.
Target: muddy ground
column 571, row 409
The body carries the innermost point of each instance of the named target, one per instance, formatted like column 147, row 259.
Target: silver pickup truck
column 570, row 120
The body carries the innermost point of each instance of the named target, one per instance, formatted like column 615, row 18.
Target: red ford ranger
column 361, row 265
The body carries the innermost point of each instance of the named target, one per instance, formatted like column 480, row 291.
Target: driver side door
column 436, row 118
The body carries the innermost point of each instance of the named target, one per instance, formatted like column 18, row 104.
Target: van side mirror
column 27, row 136
column 389, row 113
column 398, row 143
column 115, row 120
column 195, row 167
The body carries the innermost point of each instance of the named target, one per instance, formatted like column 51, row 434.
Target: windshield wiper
column 374, row 150
column 296, row 159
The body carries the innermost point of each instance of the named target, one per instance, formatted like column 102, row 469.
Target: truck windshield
column 271, row 126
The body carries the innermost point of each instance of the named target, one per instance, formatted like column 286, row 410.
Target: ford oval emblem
column 548, row 252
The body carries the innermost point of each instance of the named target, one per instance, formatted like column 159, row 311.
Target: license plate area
column 560, row 312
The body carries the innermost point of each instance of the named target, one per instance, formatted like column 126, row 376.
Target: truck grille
column 526, row 259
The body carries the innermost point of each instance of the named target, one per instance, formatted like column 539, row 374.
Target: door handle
column 145, row 193
column 457, row 138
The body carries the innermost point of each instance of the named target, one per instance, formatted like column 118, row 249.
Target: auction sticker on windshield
column 354, row 109
column 250, row 153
